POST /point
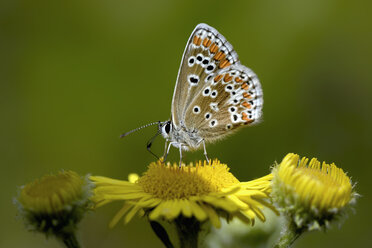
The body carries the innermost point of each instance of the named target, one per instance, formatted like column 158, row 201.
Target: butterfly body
column 183, row 138
column 214, row 94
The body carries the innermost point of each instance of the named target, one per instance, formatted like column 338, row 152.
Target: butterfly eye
column 228, row 126
column 167, row 127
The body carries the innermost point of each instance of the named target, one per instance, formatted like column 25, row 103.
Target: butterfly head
column 165, row 128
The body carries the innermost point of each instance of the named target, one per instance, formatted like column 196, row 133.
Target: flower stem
column 188, row 231
column 69, row 240
column 290, row 235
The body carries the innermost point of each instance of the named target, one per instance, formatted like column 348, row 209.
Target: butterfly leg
column 205, row 151
column 169, row 146
column 165, row 149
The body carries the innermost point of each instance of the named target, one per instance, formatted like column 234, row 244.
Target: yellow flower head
column 54, row 202
column 204, row 191
column 311, row 193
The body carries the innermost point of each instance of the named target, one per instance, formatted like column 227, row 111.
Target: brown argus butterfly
column 214, row 94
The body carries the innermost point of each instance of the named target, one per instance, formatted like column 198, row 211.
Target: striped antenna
column 139, row 128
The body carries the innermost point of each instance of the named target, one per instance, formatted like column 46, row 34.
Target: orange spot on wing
column 246, row 95
column 245, row 118
column 214, row 48
column 227, row 78
column 247, row 105
column 245, row 86
column 218, row 77
column 197, row 40
column 225, row 63
column 219, row 56
column 207, row 42
column 222, row 57
column 238, row 80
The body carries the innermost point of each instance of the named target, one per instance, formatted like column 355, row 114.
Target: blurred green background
column 75, row 74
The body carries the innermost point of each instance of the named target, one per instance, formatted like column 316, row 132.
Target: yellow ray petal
column 120, row 214
column 186, row 208
column 131, row 214
column 212, row 215
column 197, row 211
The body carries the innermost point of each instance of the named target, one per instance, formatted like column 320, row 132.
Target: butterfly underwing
column 214, row 94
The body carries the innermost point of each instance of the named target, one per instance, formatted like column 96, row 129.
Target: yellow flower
column 311, row 193
column 204, row 191
column 52, row 193
column 54, row 204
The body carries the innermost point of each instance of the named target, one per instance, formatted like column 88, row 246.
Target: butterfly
column 214, row 95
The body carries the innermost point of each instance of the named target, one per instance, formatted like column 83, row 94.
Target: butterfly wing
column 215, row 102
column 230, row 99
column 206, row 52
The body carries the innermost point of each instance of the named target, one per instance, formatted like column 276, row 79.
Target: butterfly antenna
column 139, row 128
column 149, row 144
